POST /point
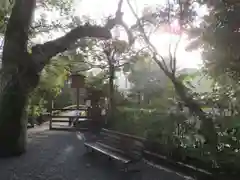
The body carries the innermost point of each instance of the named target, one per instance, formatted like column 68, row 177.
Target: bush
column 178, row 138
column 140, row 119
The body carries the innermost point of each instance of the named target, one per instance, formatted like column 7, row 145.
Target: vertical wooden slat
column 51, row 115
column 78, row 101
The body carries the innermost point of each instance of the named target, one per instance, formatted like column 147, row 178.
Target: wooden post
column 78, row 96
column 139, row 97
column 51, row 114
column 78, row 99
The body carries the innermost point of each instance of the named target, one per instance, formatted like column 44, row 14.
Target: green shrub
column 177, row 135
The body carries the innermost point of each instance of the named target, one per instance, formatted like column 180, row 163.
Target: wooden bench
column 122, row 147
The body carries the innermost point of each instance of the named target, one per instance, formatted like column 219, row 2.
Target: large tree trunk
column 13, row 121
column 17, row 82
column 17, row 77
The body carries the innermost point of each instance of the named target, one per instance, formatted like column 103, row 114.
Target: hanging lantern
column 77, row 81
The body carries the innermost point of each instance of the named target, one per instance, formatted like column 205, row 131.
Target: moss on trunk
column 13, row 123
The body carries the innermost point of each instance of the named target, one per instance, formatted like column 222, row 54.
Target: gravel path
column 59, row 155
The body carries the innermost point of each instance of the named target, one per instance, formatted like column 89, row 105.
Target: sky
column 99, row 9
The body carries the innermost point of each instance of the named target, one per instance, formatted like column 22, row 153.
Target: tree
column 114, row 52
column 110, row 56
column 207, row 127
column 147, row 79
column 217, row 36
column 51, row 82
column 21, row 68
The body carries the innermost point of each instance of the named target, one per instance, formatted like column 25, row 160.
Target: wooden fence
column 56, row 115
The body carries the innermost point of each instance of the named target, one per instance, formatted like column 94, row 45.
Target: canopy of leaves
column 51, row 82
column 146, row 76
column 218, row 36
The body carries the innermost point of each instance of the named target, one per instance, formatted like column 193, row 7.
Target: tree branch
column 16, row 35
column 43, row 53
column 208, row 129
column 51, row 48
column 152, row 48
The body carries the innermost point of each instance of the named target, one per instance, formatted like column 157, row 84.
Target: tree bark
column 13, row 122
column 17, row 78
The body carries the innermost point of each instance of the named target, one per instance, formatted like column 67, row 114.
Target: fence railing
column 56, row 117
